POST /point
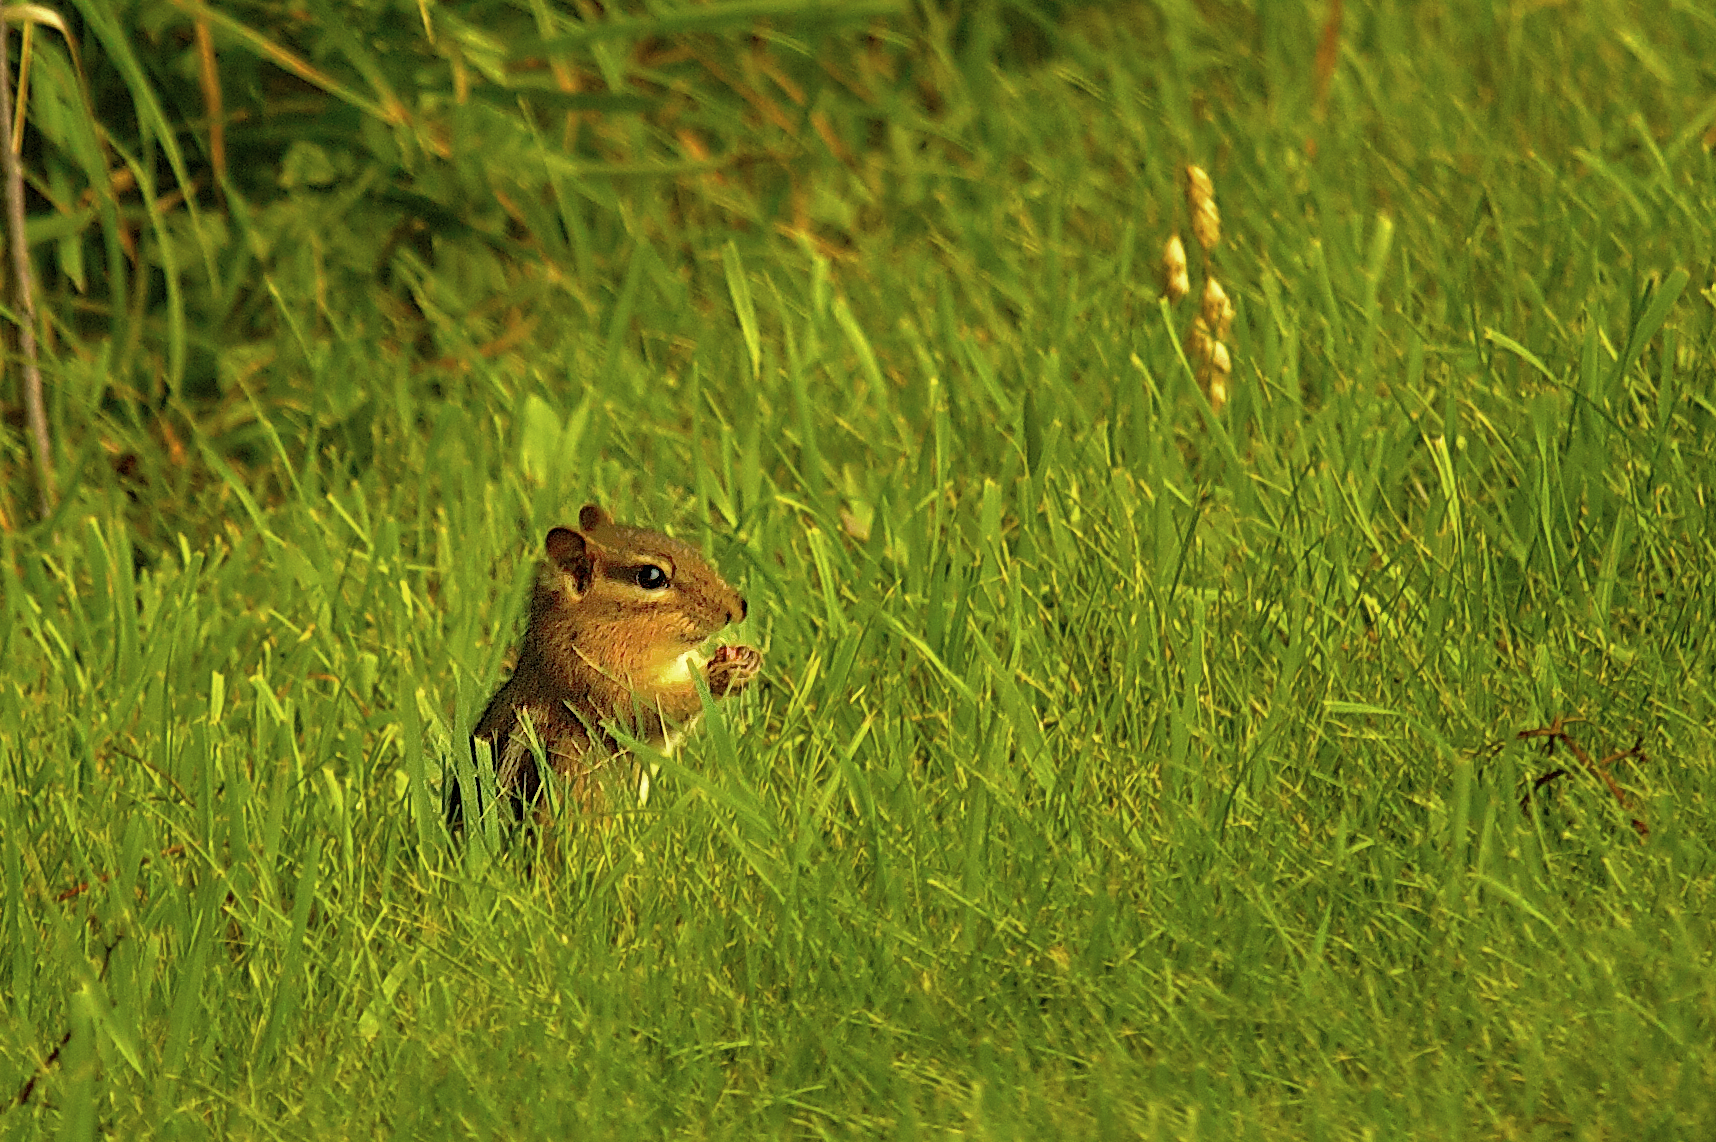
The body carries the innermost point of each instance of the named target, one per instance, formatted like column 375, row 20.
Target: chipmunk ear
column 568, row 551
column 592, row 517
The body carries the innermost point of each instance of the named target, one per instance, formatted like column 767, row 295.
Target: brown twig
column 34, row 408
column 1525, row 802
column 1556, row 731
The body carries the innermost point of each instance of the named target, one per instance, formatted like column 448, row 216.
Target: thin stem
column 14, row 174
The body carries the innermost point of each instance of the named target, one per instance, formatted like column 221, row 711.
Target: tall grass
column 1119, row 768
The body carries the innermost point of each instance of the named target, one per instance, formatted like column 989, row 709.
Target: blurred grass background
column 1119, row 770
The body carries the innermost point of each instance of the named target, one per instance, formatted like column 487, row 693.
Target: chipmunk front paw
column 732, row 668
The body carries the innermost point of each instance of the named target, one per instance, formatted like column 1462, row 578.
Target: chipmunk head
column 639, row 600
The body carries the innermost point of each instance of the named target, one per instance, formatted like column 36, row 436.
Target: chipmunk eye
column 651, row 577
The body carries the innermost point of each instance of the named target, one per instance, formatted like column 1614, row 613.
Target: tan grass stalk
column 34, row 409
column 26, row 49
column 208, row 73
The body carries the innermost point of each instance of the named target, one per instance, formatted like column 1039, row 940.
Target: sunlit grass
column 1118, row 769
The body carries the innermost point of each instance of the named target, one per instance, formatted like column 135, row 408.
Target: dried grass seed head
column 1214, row 369
column 1218, row 393
column 1176, row 280
column 1199, row 188
column 1221, row 364
column 1200, row 199
column 1199, row 341
column 1217, row 309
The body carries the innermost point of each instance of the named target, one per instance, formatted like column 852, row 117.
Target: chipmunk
column 616, row 619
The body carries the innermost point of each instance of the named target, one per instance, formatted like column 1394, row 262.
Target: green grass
column 1118, row 770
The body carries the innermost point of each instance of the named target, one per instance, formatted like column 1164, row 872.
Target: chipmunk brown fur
column 616, row 619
